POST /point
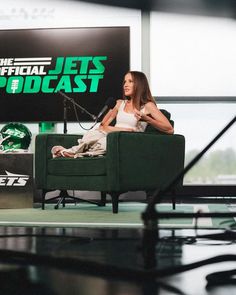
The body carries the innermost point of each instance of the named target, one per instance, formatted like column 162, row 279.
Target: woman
column 132, row 113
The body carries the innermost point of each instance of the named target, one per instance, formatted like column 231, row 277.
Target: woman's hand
column 138, row 115
column 141, row 116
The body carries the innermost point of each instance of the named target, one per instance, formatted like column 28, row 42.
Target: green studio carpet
column 87, row 215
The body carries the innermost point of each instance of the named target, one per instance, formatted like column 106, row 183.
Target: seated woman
column 132, row 113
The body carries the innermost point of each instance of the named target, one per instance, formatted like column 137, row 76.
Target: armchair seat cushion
column 87, row 166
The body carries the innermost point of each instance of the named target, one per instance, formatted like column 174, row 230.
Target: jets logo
column 10, row 179
column 44, row 74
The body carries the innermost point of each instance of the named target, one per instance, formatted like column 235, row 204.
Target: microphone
column 109, row 104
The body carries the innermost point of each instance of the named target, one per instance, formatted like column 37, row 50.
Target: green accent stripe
column 87, row 215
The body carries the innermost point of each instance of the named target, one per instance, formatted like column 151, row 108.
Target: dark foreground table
column 90, row 261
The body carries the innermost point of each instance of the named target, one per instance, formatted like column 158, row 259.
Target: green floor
column 93, row 216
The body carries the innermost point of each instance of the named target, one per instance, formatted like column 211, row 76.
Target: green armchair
column 133, row 162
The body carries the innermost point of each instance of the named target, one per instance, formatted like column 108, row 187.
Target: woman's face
column 128, row 85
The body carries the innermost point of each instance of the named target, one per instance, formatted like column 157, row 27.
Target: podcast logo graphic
column 10, row 179
column 43, row 74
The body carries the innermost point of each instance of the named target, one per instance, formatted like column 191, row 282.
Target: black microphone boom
column 109, row 104
column 76, row 104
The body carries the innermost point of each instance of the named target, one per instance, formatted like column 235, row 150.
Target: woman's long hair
column 142, row 93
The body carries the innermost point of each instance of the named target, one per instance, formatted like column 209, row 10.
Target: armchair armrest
column 150, row 160
column 43, row 146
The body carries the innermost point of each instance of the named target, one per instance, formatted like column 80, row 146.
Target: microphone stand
column 65, row 116
column 83, row 110
column 63, row 193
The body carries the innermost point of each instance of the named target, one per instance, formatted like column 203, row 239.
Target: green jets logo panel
column 69, row 74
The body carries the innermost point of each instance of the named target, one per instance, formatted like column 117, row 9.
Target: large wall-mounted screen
column 37, row 66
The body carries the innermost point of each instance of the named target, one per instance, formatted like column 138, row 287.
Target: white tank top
column 128, row 120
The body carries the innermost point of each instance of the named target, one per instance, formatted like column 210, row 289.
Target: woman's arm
column 112, row 129
column 111, row 115
column 155, row 117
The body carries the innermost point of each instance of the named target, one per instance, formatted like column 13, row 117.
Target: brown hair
column 142, row 93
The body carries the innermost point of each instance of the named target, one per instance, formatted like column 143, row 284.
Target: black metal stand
column 64, row 196
column 65, row 116
column 83, row 110
column 150, row 216
column 63, row 193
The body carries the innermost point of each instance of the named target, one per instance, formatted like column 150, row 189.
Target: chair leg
column 103, row 199
column 149, row 195
column 173, row 202
column 43, row 198
column 115, row 202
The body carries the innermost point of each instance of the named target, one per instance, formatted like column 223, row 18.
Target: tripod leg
column 62, row 199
